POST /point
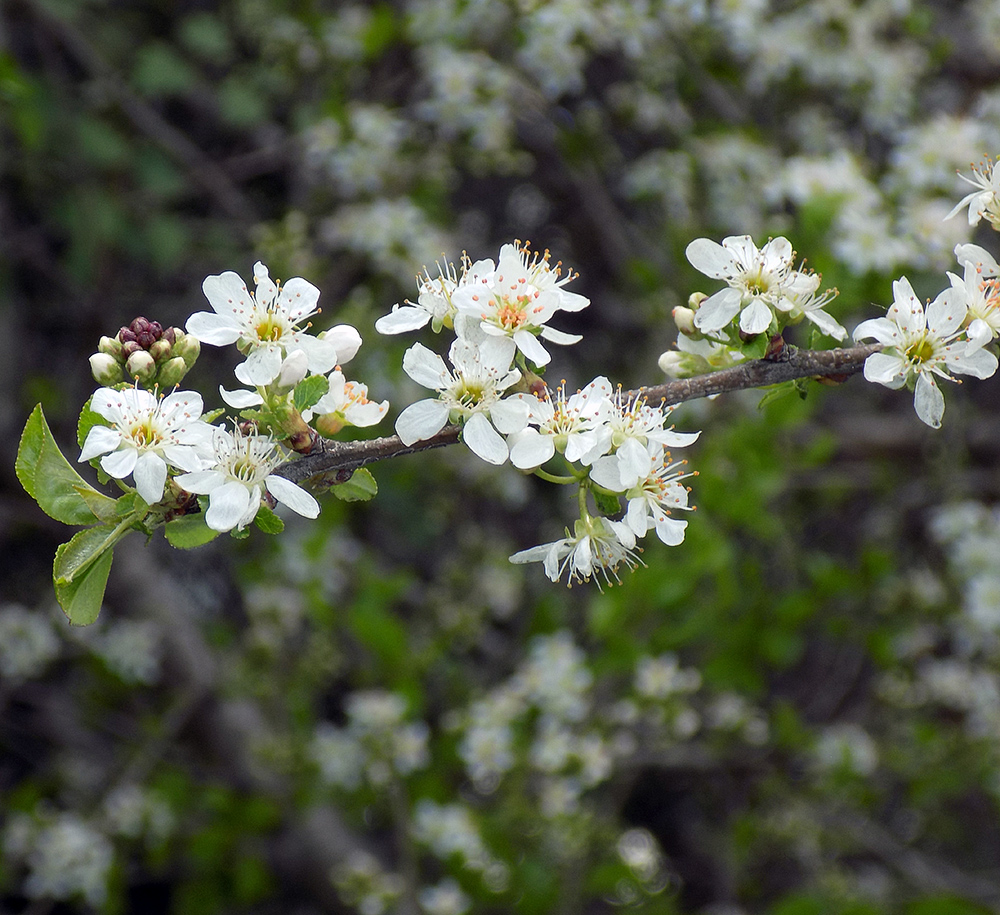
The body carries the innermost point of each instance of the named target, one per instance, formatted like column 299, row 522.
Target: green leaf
column 84, row 549
column 87, row 559
column 104, row 508
column 188, row 532
column 50, row 479
column 309, row 391
column 607, row 502
column 361, row 487
column 268, row 521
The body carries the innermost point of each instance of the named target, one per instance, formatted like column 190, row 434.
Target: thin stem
column 553, row 477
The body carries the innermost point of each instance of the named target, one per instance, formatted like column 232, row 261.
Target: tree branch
column 333, row 457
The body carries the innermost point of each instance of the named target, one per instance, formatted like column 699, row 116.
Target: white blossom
column 240, row 477
column 434, row 299
column 348, row 402
column 471, row 394
column 760, row 282
column 518, row 298
column 653, row 498
column 147, row 434
column 920, row 345
column 596, row 548
column 264, row 325
column 985, row 200
column 632, row 432
column 559, row 423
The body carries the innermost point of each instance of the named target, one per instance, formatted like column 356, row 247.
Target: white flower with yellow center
column 147, row 434
column 518, row 298
column 264, row 325
column 434, row 298
column 627, row 429
column 559, row 423
column 920, row 345
column 239, row 479
column 347, row 402
column 759, row 282
column 471, row 394
column 652, row 501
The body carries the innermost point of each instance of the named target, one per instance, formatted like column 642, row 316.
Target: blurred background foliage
column 795, row 712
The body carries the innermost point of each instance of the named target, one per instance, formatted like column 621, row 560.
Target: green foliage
column 309, row 391
column 361, row 487
column 50, row 480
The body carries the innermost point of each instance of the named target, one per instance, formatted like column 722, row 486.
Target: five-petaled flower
column 240, row 476
column 470, row 394
column 517, row 299
column 264, row 325
column 985, row 200
column 760, row 283
column 146, row 435
column 919, row 345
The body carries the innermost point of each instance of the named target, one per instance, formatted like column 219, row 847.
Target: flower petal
column 227, row 506
column 421, row 420
column 928, row 400
column 150, row 474
column 292, row 495
column 401, row 319
column 483, row 440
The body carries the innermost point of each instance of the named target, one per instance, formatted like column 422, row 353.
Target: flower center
column 145, row 433
column 269, row 328
column 920, row 351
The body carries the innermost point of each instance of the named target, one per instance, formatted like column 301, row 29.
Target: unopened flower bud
column 670, row 363
column 329, row 424
column 111, row 346
column 695, row 300
column 107, row 370
column 293, row 370
column 172, row 371
column 141, row 366
column 129, row 348
column 125, row 335
column 684, row 318
column 171, row 334
column 187, row 347
column 160, row 350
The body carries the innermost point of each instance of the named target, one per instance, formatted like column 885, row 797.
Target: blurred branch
column 203, row 171
column 838, row 363
column 927, row 873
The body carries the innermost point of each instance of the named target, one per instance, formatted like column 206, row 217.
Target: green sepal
column 309, row 391
column 268, row 521
column 239, row 534
column 607, row 502
column 212, row 415
column 50, row 479
column 361, row 487
column 189, row 531
column 756, row 347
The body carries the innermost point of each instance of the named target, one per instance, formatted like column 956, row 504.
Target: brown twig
column 340, row 456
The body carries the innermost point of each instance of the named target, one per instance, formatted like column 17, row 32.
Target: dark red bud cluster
column 142, row 334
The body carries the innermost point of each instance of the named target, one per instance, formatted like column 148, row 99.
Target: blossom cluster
column 165, row 443
column 952, row 335
column 613, row 444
